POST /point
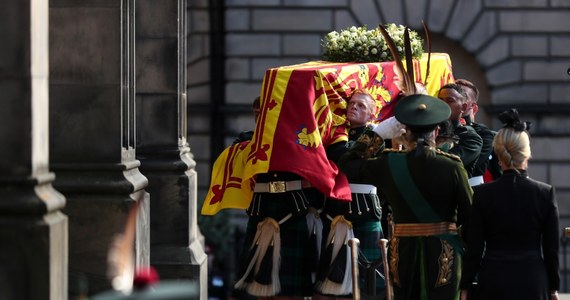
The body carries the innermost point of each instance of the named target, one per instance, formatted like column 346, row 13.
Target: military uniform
column 430, row 198
column 483, row 160
column 285, row 200
column 280, row 205
column 364, row 212
column 468, row 147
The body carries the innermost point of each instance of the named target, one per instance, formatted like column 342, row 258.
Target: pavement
column 563, row 296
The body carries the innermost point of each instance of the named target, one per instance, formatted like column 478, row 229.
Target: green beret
column 421, row 113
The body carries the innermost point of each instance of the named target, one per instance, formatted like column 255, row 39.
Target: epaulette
column 394, row 150
column 452, row 156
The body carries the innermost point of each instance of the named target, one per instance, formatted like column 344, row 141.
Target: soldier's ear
column 475, row 108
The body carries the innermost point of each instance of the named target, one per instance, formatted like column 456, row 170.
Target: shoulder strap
column 399, row 169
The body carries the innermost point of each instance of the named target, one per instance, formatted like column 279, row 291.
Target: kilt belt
column 281, row 186
column 424, row 229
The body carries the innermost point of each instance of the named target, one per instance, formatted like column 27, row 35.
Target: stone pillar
column 162, row 148
column 33, row 230
column 93, row 132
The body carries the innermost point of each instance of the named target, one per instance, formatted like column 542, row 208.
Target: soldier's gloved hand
column 389, row 128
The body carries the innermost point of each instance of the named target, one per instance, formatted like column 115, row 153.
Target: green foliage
column 219, row 233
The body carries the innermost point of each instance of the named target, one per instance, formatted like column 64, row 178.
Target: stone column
column 33, row 230
column 93, row 132
column 162, row 148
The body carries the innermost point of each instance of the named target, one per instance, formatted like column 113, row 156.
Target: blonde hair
column 512, row 147
column 373, row 106
column 410, row 139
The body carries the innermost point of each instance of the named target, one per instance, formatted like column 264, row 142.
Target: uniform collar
column 355, row 132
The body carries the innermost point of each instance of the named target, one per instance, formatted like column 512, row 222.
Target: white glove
column 389, row 128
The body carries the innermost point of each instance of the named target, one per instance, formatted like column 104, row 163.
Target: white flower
column 363, row 45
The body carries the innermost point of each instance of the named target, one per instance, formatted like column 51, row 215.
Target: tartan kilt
column 368, row 230
column 296, row 250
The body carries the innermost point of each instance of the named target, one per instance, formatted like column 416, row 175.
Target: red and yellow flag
column 302, row 112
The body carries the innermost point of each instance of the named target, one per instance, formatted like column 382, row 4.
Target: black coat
column 513, row 220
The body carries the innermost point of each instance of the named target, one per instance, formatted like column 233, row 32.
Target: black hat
column 421, row 113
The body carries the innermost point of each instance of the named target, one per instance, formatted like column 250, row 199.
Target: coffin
column 302, row 112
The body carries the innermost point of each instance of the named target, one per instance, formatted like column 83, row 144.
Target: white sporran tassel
column 341, row 232
column 265, row 262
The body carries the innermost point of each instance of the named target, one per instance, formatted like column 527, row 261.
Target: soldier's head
column 454, row 95
column 421, row 114
column 472, row 94
column 361, row 108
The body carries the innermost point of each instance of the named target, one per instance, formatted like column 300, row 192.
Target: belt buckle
column 277, row 186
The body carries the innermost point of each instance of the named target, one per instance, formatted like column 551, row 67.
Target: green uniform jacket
column 442, row 181
column 468, row 148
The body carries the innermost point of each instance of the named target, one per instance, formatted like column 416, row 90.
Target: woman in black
column 512, row 242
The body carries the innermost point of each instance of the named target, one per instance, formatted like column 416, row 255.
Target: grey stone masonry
column 237, row 19
column 415, row 13
column 253, row 44
column 484, row 30
column 559, row 3
column 365, row 15
column 530, row 46
column 551, row 149
column 544, row 71
column 321, row 3
column 176, row 250
column 560, row 45
column 438, row 14
column 516, row 3
column 302, row 44
column 285, row 20
column 559, row 93
column 93, row 132
column 392, row 11
column 505, row 73
column 464, row 13
column 33, row 230
column 343, row 19
column 494, row 52
column 535, row 21
column 560, row 174
column 521, row 94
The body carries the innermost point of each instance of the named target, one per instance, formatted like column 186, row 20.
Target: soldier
column 282, row 237
column 364, row 212
column 469, row 145
column 430, row 199
column 483, row 131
